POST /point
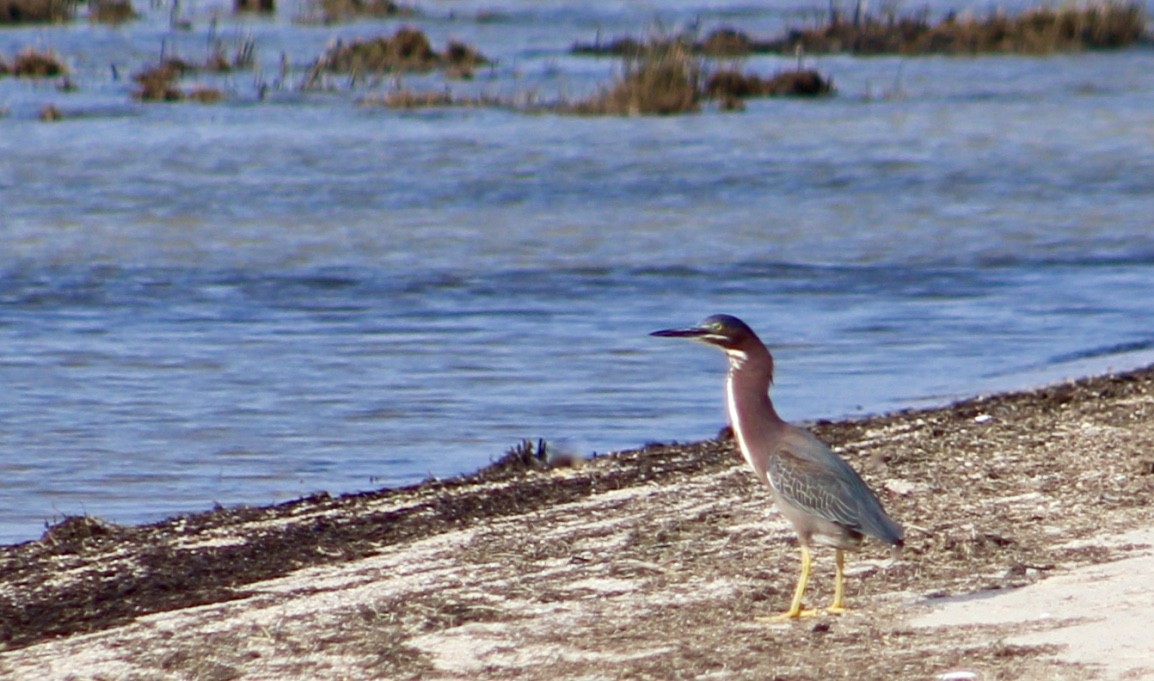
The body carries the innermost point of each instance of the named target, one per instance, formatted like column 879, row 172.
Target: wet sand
column 1025, row 514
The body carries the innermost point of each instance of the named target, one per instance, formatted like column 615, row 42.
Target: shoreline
column 458, row 576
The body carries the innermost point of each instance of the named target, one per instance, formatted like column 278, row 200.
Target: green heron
column 820, row 494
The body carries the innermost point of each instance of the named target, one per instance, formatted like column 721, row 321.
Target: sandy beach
column 1029, row 556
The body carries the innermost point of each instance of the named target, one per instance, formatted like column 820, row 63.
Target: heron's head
column 725, row 331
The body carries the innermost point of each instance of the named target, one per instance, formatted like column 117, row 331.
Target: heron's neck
column 755, row 422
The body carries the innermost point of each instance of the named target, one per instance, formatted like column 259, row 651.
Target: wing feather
column 823, row 485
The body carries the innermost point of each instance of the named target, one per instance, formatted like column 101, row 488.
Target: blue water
column 248, row 302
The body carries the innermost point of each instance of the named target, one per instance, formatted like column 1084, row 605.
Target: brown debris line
column 160, row 576
column 1106, row 24
column 986, row 488
column 36, row 11
column 32, row 63
column 408, row 50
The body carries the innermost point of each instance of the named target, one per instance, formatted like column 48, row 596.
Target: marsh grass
column 50, row 113
column 406, row 51
column 1096, row 25
column 732, row 83
column 204, row 94
column 525, row 455
column 157, row 83
column 334, row 11
column 254, row 6
column 113, row 12
column 663, row 78
column 1109, row 24
column 666, row 79
column 412, row 99
column 32, row 63
column 242, row 57
column 36, row 11
column 160, row 83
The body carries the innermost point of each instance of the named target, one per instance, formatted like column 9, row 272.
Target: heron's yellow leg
column 838, row 605
column 795, row 610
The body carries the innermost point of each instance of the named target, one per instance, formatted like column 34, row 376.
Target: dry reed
column 734, row 84
column 33, row 63
column 333, row 11
column 408, row 50
column 111, row 11
column 1096, row 25
column 36, row 11
column 1040, row 30
column 663, row 78
column 158, row 83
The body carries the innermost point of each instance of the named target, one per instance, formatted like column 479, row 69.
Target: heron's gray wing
column 829, row 488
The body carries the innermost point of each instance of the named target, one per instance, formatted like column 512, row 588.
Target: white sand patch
column 1099, row 614
column 209, row 543
column 475, row 648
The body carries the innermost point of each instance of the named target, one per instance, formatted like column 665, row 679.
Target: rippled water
column 248, row 302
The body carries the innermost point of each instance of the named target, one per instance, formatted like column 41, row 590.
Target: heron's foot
column 836, row 609
column 787, row 616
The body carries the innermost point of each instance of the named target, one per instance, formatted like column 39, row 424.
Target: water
column 248, row 302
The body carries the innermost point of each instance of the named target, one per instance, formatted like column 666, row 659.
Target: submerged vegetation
column 1107, row 24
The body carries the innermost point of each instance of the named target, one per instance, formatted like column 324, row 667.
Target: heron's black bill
column 692, row 332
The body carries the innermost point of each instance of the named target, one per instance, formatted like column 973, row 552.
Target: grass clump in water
column 49, row 113
column 1095, row 25
column 731, row 83
column 403, row 98
column 1040, row 30
column 333, row 11
column 408, row 50
column 36, row 11
column 159, row 83
column 255, row 6
column 663, row 78
column 34, row 64
column 113, row 12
